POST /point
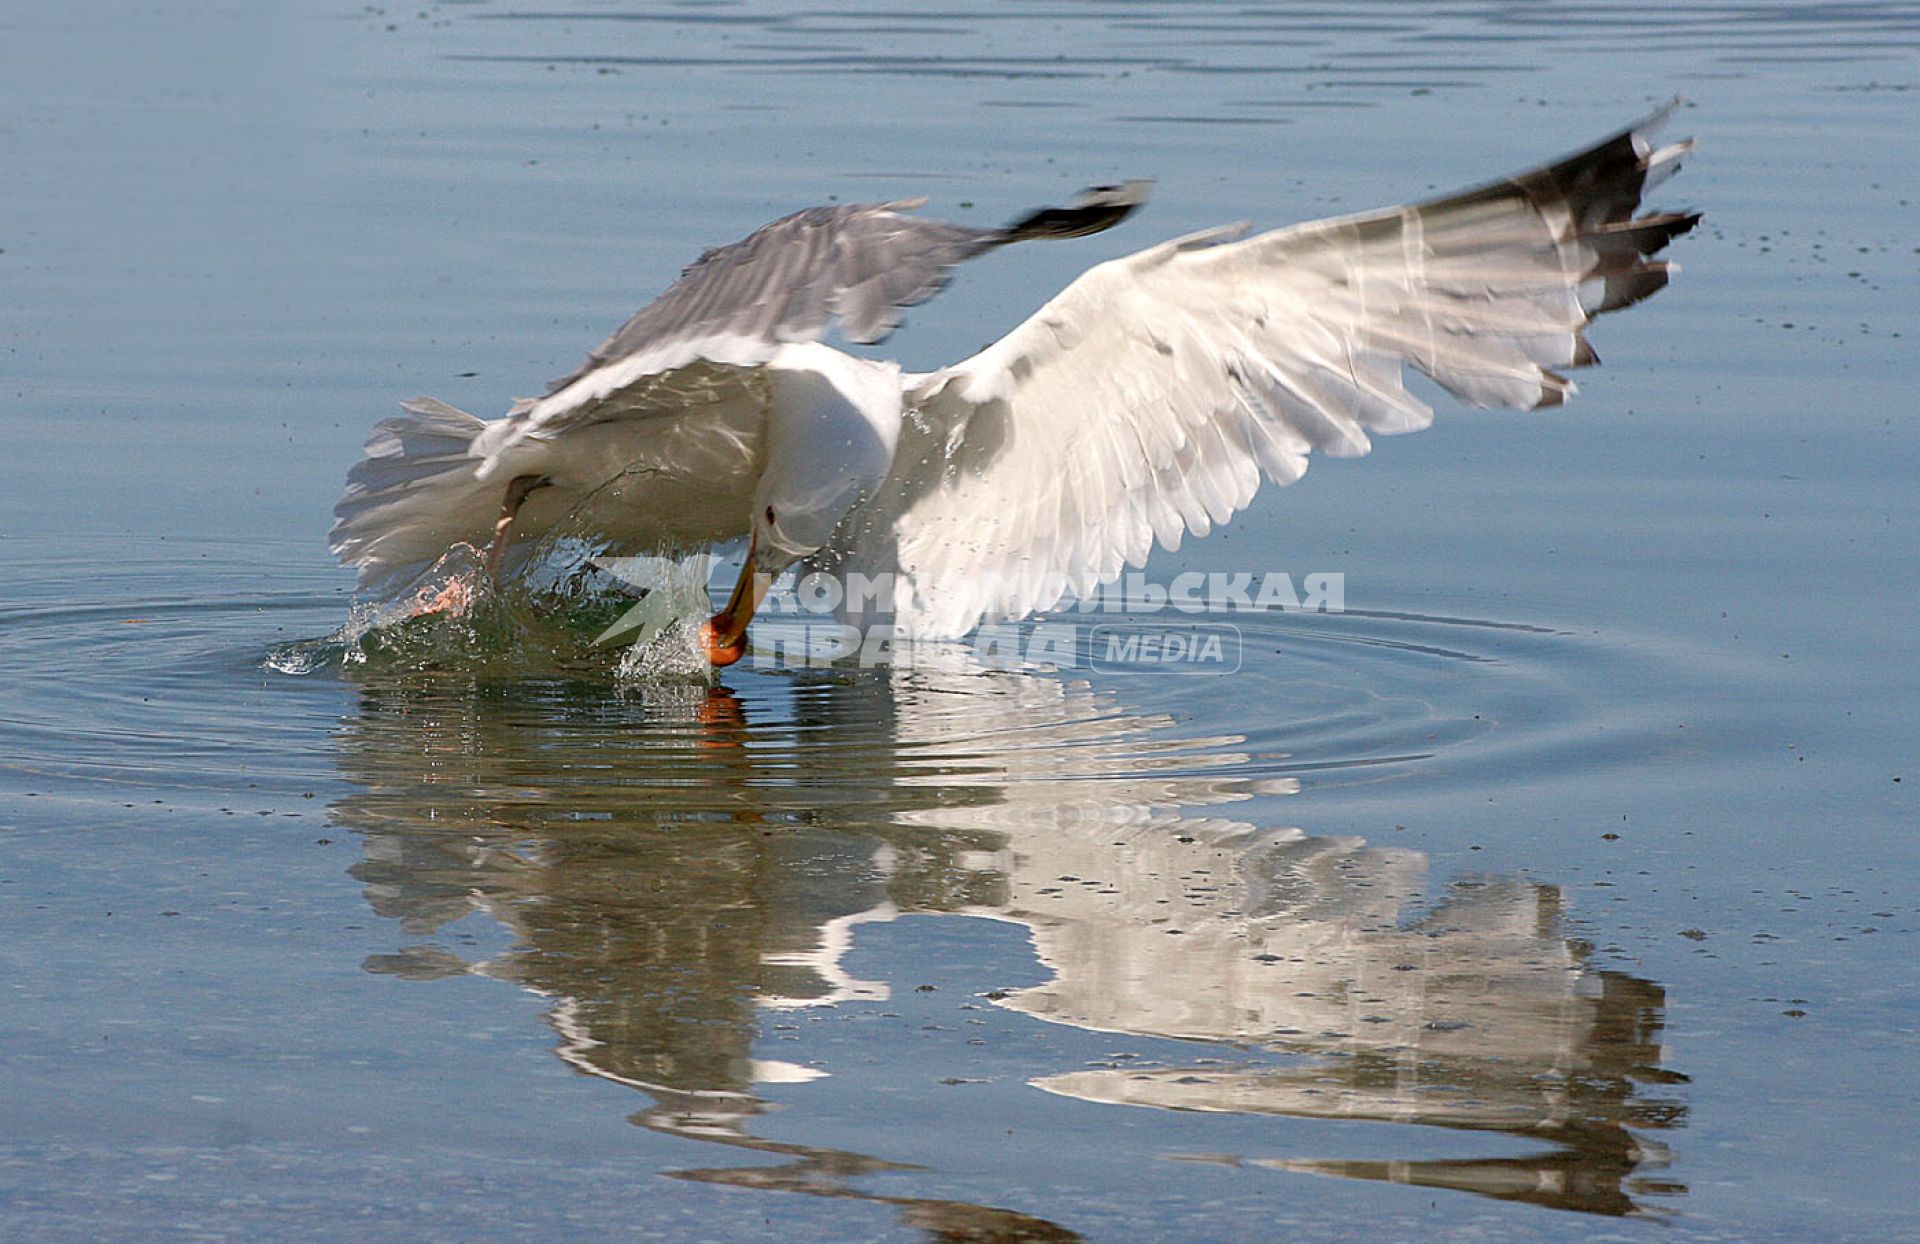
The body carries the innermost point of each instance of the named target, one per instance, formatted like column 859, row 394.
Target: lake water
column 1563, row 886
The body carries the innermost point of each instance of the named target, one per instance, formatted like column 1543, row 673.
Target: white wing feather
column 1148, row 398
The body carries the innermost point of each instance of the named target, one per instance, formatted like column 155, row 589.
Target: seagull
column 1145, row 401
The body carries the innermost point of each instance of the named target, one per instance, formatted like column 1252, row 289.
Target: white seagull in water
column 1144, row 401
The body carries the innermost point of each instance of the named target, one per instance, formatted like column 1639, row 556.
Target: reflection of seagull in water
column 1144, row 401
column 676, row 919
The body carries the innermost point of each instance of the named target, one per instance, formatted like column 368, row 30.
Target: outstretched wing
column 854, row 268
column 1147, row 399
column 678, row 389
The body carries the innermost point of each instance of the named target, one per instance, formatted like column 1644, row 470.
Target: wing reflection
column 672, row 867
column 1478, row 1014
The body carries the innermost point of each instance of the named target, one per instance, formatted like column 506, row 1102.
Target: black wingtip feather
column 1098, row 208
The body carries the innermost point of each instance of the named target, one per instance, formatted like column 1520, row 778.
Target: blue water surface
column 1562, row 887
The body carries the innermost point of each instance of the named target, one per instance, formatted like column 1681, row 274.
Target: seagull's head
column 794, row 515
column 832, row 424
column 782, row 532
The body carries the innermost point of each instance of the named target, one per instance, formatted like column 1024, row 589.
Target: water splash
column 630, row 620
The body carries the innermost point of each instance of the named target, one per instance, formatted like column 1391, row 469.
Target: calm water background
column 1564, row 888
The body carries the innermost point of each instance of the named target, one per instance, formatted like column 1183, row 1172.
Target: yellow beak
column 726, row 632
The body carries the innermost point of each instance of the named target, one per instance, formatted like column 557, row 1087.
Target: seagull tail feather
column 415, row 495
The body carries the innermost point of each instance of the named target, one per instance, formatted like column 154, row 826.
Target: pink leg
column 516, row 497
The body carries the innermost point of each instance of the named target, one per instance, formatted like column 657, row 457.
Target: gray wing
column 686, row 366
column 854, row 268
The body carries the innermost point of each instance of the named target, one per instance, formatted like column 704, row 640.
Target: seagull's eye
column 771, row 520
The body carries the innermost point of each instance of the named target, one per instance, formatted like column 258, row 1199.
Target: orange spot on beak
column 720, row 651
